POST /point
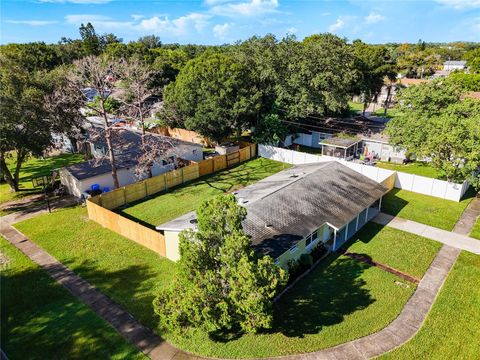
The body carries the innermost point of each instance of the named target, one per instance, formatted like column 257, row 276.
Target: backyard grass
column 167, row 206
column 425, row 209
column 415, row 168
column 341, row 300
column 125, row 271
column 32, row 168
column 451, row 329
column 475, row 233
column 403, row 251
column 41, row 320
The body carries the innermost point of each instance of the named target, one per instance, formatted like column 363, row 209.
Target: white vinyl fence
column 419, row 184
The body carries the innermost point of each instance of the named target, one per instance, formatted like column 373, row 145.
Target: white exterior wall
column 191, row 152
column 419, row 184
column 386, row 152
column 172, row 243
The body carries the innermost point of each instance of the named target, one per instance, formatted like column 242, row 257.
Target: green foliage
column 374, row 65
column 468, row 82
column 111, row 105
column 214, row 96
column 317, row 75
column 473, row 60
column 433, row 122
column 270, row 130
column 31, row 109
column 221, row 285
column 306, row 260
column 91, row 42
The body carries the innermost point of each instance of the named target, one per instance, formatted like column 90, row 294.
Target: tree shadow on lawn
column 332, row 291
column 323, row 298
column 38, row 312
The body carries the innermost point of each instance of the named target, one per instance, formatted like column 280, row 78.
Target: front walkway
column 469, row 217
column 455, row 240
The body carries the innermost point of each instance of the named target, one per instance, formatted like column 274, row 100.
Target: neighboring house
column 377, row 146
column 454, row 65
column 80, row 177
column 291, row 212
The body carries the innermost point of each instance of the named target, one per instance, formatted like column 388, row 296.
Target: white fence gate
column 419, row 184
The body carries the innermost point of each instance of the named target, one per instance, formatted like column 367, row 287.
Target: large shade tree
column 374, row 66
column 437, row 123
column 214, row 96
column 33, row 106
column 222, row 285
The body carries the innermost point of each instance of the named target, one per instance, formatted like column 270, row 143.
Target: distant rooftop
column 455, row 62
column 341, row 142
column 285, row 207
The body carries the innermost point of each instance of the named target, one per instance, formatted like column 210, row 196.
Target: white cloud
column 220, row 31
column 244, row 8
column 77, row 19
column 32, row 22
column 373, row 18
column 76, row 1
column 177, row 26
column 337, row 25
column 460, row 4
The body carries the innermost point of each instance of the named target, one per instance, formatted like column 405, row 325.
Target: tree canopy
column 213, row 95
column 435, row 123
column 221, row 284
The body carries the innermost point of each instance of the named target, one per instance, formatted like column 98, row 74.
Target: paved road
column 455, row 240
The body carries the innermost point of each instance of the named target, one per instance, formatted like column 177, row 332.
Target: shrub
column 318, row 251
column 306, row 260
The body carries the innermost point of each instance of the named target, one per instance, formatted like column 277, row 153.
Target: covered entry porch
column 340, row 236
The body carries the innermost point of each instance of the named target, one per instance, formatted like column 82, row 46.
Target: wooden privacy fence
column 142, row 235
column 99, row 207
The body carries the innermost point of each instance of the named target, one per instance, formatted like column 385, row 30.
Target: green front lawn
column 42, row 320
column 451, row 330
column 35, row 167
column 415, row 168
column 341, row 300
column 475, row 233
column 168, row 206
column 125, row 271
column 425, row 209
column 403, row 251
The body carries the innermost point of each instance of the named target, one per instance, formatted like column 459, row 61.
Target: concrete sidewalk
column 455, row 240
column 468, row 218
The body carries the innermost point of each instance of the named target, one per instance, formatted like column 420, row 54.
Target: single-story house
column 79, row 178
column 292, row 211
column 455, row 65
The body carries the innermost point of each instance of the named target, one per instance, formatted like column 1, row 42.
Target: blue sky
column 222, row 21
